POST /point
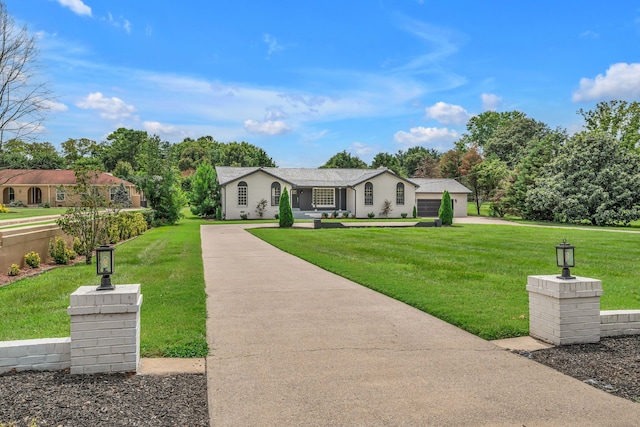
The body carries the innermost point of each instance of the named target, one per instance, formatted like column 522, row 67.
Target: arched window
column 275, row 194
column 242, row 193
column 368, row 193
column 12, row 194
column 400, row 194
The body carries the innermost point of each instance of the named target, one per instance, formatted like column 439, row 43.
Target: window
column 324, row 197
column 12, row 194
column 275, row 194
column 242, row 193
column 368, row 193
column 112, row 193
column 400, row 194
column 60, row 194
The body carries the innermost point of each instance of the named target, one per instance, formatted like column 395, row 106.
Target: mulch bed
column 27, row 271
column 612, row 365
column 61, row 399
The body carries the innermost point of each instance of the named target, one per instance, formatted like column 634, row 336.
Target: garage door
column 428, row 208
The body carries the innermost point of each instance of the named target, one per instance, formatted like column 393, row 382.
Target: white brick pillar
column 564, row 312
column 105, row 329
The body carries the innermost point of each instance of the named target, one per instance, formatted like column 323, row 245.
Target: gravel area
column 612, row 365
column 61, row 399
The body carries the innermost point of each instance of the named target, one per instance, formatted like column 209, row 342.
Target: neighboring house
column 312, row 191
column 36, row 187
column 429, row 195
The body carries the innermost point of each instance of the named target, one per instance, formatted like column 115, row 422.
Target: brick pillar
column 564, row 312
column 105, row 329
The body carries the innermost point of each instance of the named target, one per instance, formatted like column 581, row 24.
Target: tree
column 481, row 128
column 386, row 208
column 386, row 160
column 43, row 155
column 205, row 195
column 514, row 138
column 450, row 164
column 123, row 170
column 123, row 144
column 285, row 216
column 121, row 197
column 411, row 160
column 620, row 119
column 344, row 160
column 89, row 217
column 593, row 178
column 492, row 175
column 445, row 213
column 468, row 170
column 74, row 150
column 24, row 99
column 159, row 181
column 241, row 154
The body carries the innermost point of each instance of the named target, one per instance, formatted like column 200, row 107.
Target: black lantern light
column 565, row 259
column 104, row 267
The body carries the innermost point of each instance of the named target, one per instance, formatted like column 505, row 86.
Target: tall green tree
column 620, row 119
column 241, row 154
column 481, row 128
column 386, row 160
column 124, row 144
column 285, row 215
column 513, row 139
column 74, row 150
column 445, row 213
column 593, row 178
column 205, row 195
column 413, row 158
column 344, row 160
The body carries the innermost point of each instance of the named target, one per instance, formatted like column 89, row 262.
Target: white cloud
column 423, row 136
column 275, row 113
column 76, row 6
column 268, row 127
column 272, row 44
column 490, row 102
column 163, row 130
column 621, row 81
column 110, row 108
column 121, row 22
column 361, row 149
column 53, row 105
column 448, row 113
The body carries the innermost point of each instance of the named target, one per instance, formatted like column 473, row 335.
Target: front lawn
column 472, row 276
column 166, row 261
column 19, row 213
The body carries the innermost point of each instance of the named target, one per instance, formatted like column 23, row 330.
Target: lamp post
column 104, row 267
column 565, row 259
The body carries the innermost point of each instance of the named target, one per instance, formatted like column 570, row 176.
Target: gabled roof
column 305, row 177
column 439, row 185
column 52, row 177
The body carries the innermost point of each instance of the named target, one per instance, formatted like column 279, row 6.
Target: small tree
column 89, row 217
column 386, row 208
column 445, row 213
column 121, row 197
column 261, row 207
column 285, row 217
column 204, row 197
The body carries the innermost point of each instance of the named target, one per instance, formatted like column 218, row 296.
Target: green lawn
column 19, row 213
column 472, row 276
column 166, row 261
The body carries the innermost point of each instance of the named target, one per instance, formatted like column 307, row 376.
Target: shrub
column 386, row 208
column 324, row 215
column 78, row 247
column 261, row 207
column 371, row 215
column 14, row 270
column 286, row 213
column 345, row 214
column 415, row 212
column 3, row 209
column 244, row 216
column 58, row 250
column 219, row 213
column 32, row 259
column 45, row 205
column 16, row 204
column 126, row 225
column 445, row 213
column 277, row 216
column 403, row 214
column 149, row 217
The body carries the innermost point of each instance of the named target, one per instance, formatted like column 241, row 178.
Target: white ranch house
column 313, row 191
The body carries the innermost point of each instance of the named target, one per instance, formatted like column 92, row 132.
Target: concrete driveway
column 294, row 345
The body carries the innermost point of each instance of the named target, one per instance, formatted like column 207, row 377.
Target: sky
column 305, row 79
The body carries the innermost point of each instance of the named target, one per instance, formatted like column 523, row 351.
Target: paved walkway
column 294, row 345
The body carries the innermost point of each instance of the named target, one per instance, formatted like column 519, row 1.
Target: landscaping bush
column 14, row 270
column 16, row 204
column 45, row 205
column 445, row 213
column 59, row 251
column 371, row 215
column 415, row 212
column 126, row 225
column 149, row 217
column 386, row 208
column 3, row 209
column 403, row 214
column 78, row 247
column 32, row 259
column 286, row 213
column 261, row 207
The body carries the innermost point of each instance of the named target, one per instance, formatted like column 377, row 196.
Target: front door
column 295, row 199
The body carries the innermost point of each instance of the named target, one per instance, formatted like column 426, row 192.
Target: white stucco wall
column 258, row 188
column 459, row 202
column 384, row 187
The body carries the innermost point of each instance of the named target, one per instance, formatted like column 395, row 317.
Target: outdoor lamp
column 565, row 259
column 104, row 267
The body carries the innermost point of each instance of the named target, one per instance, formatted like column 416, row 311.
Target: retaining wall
column 15, row 243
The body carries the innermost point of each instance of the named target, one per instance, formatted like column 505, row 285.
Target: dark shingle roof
column 439, row 185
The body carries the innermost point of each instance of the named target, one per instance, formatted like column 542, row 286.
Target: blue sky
column 306, row 79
